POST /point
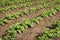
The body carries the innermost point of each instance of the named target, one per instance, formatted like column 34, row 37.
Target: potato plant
column 57, row 7
column 8, row 8
column 25, row 12
column 3, row 21
column 36, row 20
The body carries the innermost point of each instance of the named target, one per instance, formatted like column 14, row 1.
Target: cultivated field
column 29, row 19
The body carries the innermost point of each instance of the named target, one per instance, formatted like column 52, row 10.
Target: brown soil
column 2, row 15
column 31, row 33
column 56, row 38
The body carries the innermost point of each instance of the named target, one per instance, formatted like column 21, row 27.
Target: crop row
column 26, row 23
column 12, row 7
column 12, row 2
column 27, row 4
column 8, row 8
column 54, row 31
column 17, row 14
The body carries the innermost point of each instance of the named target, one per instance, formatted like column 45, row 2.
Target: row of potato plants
column 8, row 8
column 52, row 32
column 17, row 14
column 12, row 7
column 27, row 4
column 21, row 5
column 12, row 2
column 35, row 2
column 43, row 1
column 27, row 23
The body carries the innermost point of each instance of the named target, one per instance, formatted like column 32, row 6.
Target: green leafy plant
column 57, row 7
column 27, row 23
column 3, row 21
column 32, row 9
column 29, row 3
column 8, row 8
column 22, row 5
column 10, row 36
column 47, row 5
column 44, row 14
column 52, row 12
column 36, row 20
column 39, row 7
column 25, row 11
column 9, row 16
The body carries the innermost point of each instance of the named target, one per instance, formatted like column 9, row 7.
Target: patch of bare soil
column 2, row 15
column 31, row 33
